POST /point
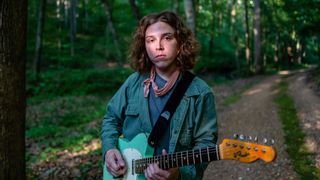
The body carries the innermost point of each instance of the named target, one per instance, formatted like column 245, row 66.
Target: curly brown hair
column 188, row 46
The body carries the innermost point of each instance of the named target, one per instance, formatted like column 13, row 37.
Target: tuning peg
column 272, row 141
column 265, row 140
column 236, row 136
column 249, row 138
column 255, row 139
column 241, row 137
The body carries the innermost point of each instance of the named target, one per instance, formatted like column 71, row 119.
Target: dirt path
column 308, row 108
column 253, row 115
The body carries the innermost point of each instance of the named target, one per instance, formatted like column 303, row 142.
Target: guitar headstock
column 233, row 149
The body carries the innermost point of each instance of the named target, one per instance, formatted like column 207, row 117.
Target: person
column 163, row 49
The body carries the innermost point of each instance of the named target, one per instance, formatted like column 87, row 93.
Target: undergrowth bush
column 77, row 82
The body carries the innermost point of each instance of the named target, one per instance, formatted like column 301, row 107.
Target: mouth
column 160, row 56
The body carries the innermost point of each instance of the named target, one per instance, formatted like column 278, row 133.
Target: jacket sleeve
column 205, row 133
column 113, row 119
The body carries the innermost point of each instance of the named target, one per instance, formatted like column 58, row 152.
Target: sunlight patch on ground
column 253, row 91
column 284, row 72
column 92, row 146
column 311, row 144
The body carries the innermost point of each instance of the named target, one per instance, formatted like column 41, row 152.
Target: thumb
column 164, row 152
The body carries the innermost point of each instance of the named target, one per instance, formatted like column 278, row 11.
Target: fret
column 164, row 162
column 200, row 156
column 171, row 160
column 177, row 159
column 208, row 154
column 181, row 158
column 194, row 161
column 188, row 158
column 168, row 161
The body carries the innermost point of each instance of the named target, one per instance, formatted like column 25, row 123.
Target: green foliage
column 64, row 82
column 294, row 136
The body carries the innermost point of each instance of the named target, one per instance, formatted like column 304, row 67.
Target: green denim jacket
column 193, row 125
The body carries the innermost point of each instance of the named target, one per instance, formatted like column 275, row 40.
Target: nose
column 159, row 46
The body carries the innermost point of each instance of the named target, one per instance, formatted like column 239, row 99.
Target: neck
column 166, row 74
column 179, row 159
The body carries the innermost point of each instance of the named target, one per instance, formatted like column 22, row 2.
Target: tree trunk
column 175, row 6
column 86, row 16
column 257, row 38
column 59, row 15
column 318, row 48
column 135, row 10
column 190, row 15
column 73, row 25
column 38, row 49
column 13, row 28
column 66, row 6
column 235, row 34
column 247, row 35
column 113, row 31
column 211, row 42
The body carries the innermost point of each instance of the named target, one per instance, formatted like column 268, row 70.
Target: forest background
column 77, row 58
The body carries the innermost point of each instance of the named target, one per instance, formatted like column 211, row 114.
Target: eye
column 149, row 40
column 168, row 38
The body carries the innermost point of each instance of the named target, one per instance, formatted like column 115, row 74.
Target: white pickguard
column 130, row 154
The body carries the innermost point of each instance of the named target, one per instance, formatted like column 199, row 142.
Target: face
column 161, row 46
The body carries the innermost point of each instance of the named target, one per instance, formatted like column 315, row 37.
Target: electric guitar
column 138, row 155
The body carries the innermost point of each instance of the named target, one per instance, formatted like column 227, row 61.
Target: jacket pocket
column 185, row 138
column 132, row 124
column 131, row 110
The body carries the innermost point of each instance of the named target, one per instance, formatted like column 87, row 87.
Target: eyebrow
column 164, row 34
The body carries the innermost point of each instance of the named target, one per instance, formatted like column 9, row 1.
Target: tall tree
column 112, row 30
column 211, row 42
column 86, row 15
column 38, row 49
column 190, row 15
column 175, row 6
column 73, row 25
column 235, row 33
column 13, row 23
column 247, row 35
column 66, row 7
column 257, row 38
column 135, row 9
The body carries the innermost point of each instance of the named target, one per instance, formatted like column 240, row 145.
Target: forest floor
column 253, row 114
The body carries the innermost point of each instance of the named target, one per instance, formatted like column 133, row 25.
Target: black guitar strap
column 164, row 119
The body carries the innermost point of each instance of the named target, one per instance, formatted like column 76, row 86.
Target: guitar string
column 146, row 161
column 178, row 155
column 182, row 154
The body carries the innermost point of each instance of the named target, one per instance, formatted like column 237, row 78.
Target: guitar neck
column 178, row 159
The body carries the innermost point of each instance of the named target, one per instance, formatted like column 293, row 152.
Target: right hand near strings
column 115, row 163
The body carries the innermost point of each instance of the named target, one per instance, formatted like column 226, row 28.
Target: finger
column 160, row 172
column 150, row 173
column 116, row 161
column 155, row 171
column 119, row 159
column 146, row 174
column 113, row 172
